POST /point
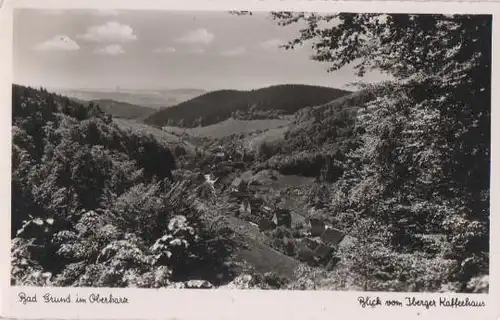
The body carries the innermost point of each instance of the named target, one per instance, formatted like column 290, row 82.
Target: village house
column 324, row 241
column 314, row 251
column 267, row 210
column 238, row 155
column 323, row 252
column 245, row 207
column 332, row 236
column 266, row 224
column 317, row 226
column 262, row 223
column 347, row 242
column 282, row 217
column 220, row 156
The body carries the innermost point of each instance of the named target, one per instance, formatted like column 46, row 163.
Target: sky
column 162, row 50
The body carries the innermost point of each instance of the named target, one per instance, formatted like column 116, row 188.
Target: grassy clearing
column 272, row 135
column 265, row 259
column 229, row 127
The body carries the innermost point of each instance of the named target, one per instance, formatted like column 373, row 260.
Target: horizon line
column 128, row 89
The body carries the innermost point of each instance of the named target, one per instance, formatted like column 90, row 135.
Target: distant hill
column 217, row 106
column 146, row 98
column 123, row 110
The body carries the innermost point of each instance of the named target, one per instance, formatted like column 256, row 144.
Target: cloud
column 198, row 36
column 165, row 50
column 272, row 45
column 58, row 43
column 110, row 32
column 110, row 49
column 234, row 52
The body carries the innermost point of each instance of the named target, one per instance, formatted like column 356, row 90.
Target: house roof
column 317, row 228
column 323, row 251
column 309, row 243
column 347, row 242
column 266, row 208
column 314, row 221
column 265, row 224
column 282, row 212
column 332, row 236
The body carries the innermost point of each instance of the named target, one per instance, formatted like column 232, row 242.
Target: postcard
column 249, row 160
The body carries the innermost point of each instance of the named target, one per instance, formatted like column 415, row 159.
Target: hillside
column 92, row 201
column 312, row 135
column 314, row 130
column 169, row 139
column 216, row 106
column 123, row 110
column 229, row 127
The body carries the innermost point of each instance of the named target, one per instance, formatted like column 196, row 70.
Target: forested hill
column 317, row 139
column 124, row 110
column 51, row 132
column 92, row 205
column 217, row 106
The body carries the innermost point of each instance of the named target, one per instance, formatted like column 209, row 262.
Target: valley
column 214, row 150
column 266, row 192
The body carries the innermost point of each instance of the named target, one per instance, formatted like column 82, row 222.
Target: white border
column 226, row 304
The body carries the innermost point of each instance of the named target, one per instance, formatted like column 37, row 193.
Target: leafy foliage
column 93, row 205
column 418, row 166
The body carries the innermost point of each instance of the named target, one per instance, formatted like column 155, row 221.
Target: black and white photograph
column 268, row 150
